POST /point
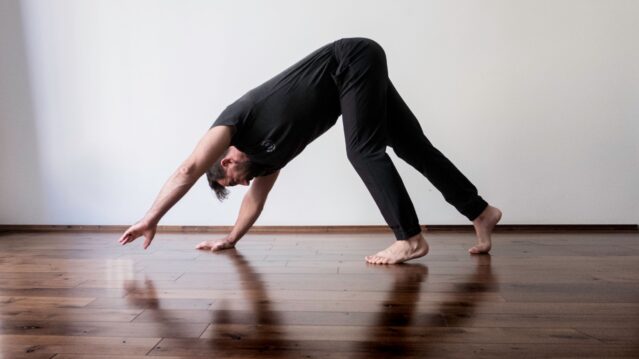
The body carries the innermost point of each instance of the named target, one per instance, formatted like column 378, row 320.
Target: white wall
column 536, row 101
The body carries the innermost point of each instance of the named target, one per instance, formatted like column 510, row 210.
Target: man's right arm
column 207, row 151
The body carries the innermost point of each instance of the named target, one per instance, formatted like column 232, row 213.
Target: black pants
column 374, row 117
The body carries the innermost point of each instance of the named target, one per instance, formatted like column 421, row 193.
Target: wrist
column 232, row 238
column 150, row 221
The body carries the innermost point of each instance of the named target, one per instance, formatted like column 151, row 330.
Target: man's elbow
column 189, row 171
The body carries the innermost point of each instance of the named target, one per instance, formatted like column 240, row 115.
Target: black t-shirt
column 275, row 121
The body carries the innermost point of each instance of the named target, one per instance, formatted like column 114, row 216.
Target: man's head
column 232, row 168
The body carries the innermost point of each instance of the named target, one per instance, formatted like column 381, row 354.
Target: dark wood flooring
column 81, row 295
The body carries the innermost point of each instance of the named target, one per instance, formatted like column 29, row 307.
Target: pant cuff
column 402, row 235
column 473, row 209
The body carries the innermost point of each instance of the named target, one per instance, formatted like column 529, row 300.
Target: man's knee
column 361, row 155
column 366, row 44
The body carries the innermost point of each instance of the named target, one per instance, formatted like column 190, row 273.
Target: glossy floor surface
column 81, row 295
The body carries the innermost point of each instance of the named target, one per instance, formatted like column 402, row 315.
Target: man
column 266, row 128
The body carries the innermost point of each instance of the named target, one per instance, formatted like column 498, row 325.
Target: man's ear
column 226, row 162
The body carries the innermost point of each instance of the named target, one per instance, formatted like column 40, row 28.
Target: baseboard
column 328, row 229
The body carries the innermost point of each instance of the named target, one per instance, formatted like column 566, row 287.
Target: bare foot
column 484, row 225
column 401, row 251
column 216, row 245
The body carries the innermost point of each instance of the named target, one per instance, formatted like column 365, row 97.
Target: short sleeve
column 236, row 114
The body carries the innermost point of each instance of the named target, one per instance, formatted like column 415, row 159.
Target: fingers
column 147, row 240
column 123, row 237
column 130, row 235
column 203, row 245
column 127, row 237
column 221, row 246
column 216, row 246
column 136, row 231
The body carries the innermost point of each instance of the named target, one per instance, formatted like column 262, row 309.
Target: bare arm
column 252, row 205
column 250, row 210
column 209, row 149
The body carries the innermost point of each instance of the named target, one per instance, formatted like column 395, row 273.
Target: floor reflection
column 395, row 334
column 155, row 320
column 142, row 296
column 119, row 269
column 398, row 329
column 388, row 335
column 265, row 332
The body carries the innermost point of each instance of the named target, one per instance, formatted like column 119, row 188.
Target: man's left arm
column 252, row 205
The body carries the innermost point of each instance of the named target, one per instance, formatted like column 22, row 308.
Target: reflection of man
column 396, row 315
column 261, row 132
column 262, row 317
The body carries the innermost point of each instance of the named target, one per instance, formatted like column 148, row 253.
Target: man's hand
column 217, row 245
column 142, row 228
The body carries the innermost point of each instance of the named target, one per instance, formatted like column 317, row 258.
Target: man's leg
column 410, row 144
column 363, row 102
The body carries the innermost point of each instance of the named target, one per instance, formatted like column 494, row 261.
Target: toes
column 478, row 250
column 373, row 259
column 474, row 250
column 377, row 260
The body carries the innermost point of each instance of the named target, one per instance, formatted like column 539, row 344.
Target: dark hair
column 215, row 173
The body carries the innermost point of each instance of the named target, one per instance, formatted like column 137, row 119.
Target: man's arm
column 252, row 206
column 207, row 151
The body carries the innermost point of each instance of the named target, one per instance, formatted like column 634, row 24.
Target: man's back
column 275, row 121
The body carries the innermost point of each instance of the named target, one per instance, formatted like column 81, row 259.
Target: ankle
column 483, row 215
column 416, row 241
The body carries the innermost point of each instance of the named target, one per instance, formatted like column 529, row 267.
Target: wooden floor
column 80, row 295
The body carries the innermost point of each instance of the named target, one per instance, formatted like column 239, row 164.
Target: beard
column 247, row 169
